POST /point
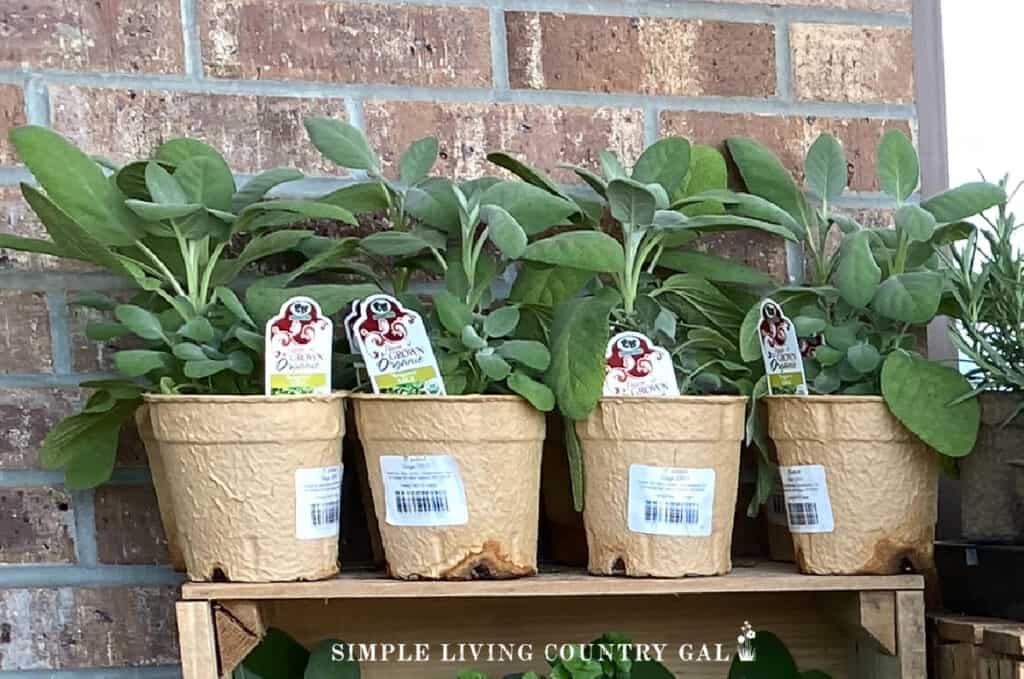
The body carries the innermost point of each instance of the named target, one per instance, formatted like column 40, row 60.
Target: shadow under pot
column 255, row 483
column 455, row 483
column 861, row 490
column 661, row 477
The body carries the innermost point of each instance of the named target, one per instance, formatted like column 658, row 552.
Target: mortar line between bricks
column 58, row 280
column 83, row 503
column 160, row 672
column 499, row 50
column 677, row 9
column 314, row 90
column 12, row 176
column 37, row 102
column 50, row 380
column 60, row 336
column 190, row 40
column 78, row 576
column 122, row 476
column 783, row 62
column 652, row 126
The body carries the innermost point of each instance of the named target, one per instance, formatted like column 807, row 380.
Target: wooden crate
column 849, row 626
column 970, row 647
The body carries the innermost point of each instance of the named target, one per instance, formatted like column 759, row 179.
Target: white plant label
column 298, row 350
column 780, row 348
column 350, row 321
column 808, row 508
column 318, row 502
column 394, row 344
column 635, row 366
column 423, row 490
column 676, row 501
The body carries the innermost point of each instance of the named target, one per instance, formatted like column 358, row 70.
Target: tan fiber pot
column 882, row 483
column 163, row 492
column 231, row 464
column 496, row 443
column 691, row 432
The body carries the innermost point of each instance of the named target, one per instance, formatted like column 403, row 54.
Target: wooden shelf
column 762, row 577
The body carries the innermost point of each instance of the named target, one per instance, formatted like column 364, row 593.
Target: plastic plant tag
column 299, row 344
column 318, row 502
column 394, row 344
column 808, row 508
column 635, row 366
column 783, row 362
column 423, row 490
column 675, row 501
column 350, row 322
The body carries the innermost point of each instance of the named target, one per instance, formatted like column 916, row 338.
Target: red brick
column 895, row 6
column 128, row 528
column 640, row 54
column 346, row 42
column 12, row 114
column 543, row 135
column 790, row 137
column 26, row 415
column 126, row 36
column 863, row 64
column 24, row 333
column 36, row 526
column 69, row 628
column 762, row 251
column 254, row 133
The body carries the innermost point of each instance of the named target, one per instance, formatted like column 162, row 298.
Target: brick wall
column 83, row 579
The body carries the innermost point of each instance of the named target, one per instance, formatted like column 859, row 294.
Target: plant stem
column 204, row 288
column 161, row 267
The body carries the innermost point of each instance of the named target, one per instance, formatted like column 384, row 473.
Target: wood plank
column 1007, row 639
column 196, row 640
column 681, row 623
column 999, row 667
column 910, row 636
column 957, row 661
column 239, row 627
column 964, row 628
column 765, row 577
column 872, row 614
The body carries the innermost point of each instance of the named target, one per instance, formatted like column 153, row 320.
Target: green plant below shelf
column 872, row 294
column 772, row 660
column 279, row 656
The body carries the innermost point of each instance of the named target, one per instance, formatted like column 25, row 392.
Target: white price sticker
column 671, row 500
column 318, row 502
column 423, row 490
column 808, row 508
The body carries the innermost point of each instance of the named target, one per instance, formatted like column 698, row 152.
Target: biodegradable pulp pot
column 882, row 483
column 695, row 433
column 163, row 493
column 231, row 464
column 495, row 443
column 991, row 508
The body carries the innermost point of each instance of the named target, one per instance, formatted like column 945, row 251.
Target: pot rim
column 241, row 398
column 716, row 398
column 828, row 398
column 452, row 398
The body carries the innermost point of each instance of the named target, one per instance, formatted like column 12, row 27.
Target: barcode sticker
column 423, row 490
column 808, row 508
column 671, row 500
column 318, row 502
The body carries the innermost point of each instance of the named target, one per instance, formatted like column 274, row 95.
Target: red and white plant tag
column 298, row 344
column 783, row 361
column 395, row 347
column 636, row 366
